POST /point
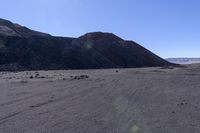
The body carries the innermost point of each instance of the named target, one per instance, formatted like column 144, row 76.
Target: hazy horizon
column 167, row 28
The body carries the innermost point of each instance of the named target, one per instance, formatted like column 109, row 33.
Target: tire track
column 4, row 119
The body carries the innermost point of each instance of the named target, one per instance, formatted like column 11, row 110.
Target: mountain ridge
column 7, row 28
column 25, row 49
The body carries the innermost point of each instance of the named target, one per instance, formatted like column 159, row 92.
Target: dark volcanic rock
column 120, row 52
column 8, row 28
column 25, row 49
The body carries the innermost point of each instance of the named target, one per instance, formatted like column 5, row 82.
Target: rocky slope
column 25, row 49
column 8, row 28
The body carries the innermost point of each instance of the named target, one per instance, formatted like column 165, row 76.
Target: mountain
column 184, row 60
column 25, row 49
column 8, row 28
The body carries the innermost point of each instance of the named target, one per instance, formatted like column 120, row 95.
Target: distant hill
column 25, row 49
column 184, row 60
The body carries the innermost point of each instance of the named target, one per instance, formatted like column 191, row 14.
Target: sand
column 145, row 100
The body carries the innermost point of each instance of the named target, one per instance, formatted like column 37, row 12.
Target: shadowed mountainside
column 25, row 49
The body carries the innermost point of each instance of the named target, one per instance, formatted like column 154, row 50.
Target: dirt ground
column 145, row 100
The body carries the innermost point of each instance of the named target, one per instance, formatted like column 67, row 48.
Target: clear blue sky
column 170, row 28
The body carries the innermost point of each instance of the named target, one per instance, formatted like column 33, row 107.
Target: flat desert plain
column 141, row 100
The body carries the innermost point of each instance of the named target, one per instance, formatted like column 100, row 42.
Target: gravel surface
column 146, row 100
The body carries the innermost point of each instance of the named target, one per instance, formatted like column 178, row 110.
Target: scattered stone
column 157, row 71
column 42, row 77
column 80, row 77
column 37, row 75
column 182, row 103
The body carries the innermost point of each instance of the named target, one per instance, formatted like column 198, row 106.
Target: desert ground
column 140, row 100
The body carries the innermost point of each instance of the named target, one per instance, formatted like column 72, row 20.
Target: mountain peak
column 98, row 36
column 90, row 51
column 8, row 28
column 4, row 21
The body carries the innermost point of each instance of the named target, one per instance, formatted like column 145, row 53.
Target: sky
column 169, row 28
